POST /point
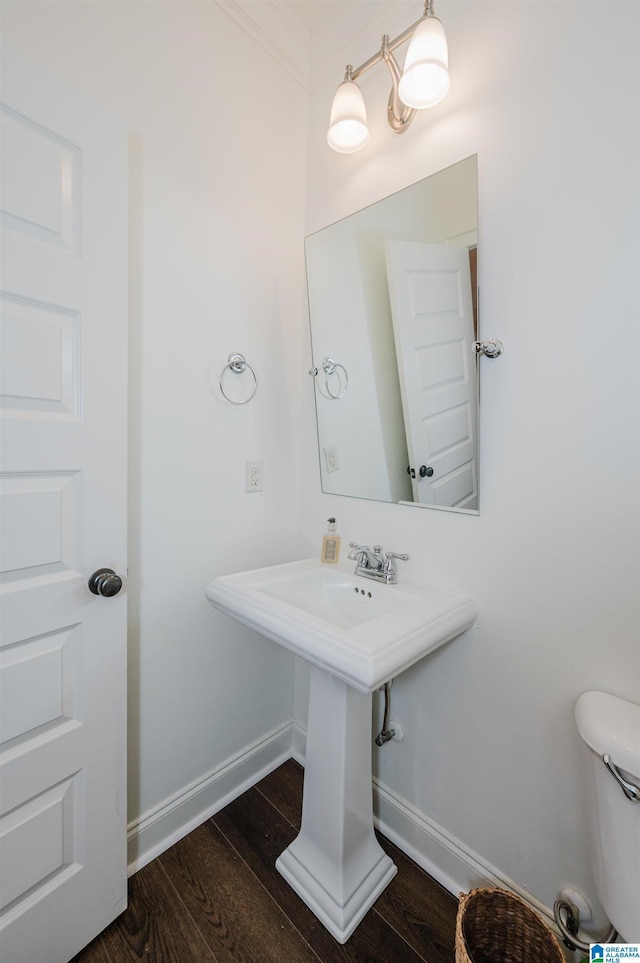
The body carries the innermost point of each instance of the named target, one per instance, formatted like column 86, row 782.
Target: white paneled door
column 432, row 311
column 63, row 303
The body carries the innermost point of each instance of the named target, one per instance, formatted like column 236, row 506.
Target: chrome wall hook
column 490, row 349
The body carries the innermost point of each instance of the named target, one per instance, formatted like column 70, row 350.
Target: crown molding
column 361, row 23
column 275, row 30
column 275, row 27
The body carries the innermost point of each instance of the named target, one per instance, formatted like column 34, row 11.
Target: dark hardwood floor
column 215, row 897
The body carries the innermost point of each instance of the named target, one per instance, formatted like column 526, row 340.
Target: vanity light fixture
column 424, row 82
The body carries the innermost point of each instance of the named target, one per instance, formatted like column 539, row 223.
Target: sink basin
column 359, row 630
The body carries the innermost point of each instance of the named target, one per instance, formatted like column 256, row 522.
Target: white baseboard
column 154, row 832
column 298, row 741
column 435, row 850
column 440, row 854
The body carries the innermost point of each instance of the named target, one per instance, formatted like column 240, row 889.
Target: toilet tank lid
column 612, row 725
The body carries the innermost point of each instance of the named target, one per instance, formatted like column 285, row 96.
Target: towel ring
column 329, row 367
column 238, row 364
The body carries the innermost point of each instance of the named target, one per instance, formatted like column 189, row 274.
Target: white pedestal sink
column 357, row 634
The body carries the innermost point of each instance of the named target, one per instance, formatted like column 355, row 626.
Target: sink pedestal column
column 335, row 864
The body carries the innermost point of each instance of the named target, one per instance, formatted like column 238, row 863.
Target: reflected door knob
column 105, row 582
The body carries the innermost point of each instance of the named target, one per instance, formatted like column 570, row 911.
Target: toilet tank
column 611, row 725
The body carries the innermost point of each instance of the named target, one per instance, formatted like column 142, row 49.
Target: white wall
column 217, row 220
column 491, row 754
column 217, row 206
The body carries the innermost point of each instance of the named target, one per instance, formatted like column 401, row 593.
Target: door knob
column 105, row 582
column 423, row 471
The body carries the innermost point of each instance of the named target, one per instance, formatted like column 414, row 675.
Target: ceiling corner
column 281, row 35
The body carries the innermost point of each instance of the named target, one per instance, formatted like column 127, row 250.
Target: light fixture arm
column 398, row 114
column 390, row 45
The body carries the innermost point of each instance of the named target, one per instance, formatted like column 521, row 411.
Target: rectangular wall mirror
column 393, row 311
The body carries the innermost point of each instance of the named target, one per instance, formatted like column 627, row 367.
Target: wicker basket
column 494, row 926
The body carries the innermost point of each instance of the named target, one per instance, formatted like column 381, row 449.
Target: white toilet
column 611, row 729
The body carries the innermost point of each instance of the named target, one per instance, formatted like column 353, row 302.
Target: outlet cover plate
column 253, row 476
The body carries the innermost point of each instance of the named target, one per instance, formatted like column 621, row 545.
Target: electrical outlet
column 331, row 458
column 253, row 478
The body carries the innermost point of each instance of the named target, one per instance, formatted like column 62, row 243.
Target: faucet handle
column 390, row 556
column 359, row 551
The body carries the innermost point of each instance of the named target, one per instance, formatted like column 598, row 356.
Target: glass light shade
column 348, row 129
column 425, row 79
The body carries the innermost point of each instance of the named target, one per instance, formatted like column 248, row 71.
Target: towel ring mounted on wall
column 329, row 367
column 238, row 364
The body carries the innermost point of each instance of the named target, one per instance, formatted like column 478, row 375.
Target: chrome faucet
column 371, row 564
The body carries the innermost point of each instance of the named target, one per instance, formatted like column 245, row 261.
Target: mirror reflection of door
column 433, row 323
column 361, row 437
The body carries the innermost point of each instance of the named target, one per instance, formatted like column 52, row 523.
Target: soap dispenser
column 330, row 543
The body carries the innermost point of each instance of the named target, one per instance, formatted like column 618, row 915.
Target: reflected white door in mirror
column 393, row 295
column 432, row 312
column 357, row 634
